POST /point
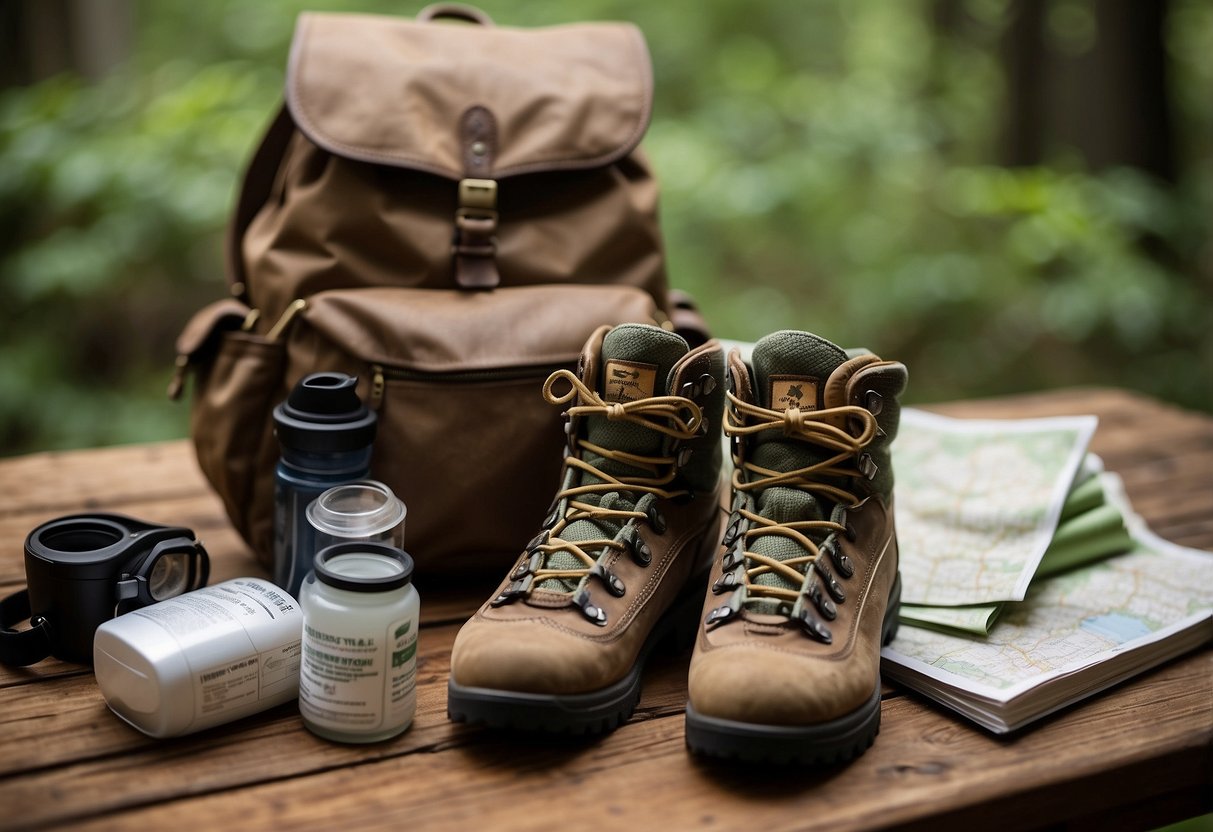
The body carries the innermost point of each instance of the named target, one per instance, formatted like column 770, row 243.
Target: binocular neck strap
column 24, row 647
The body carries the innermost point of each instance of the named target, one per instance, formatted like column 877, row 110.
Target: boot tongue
column 636, row 361
column 791, row 370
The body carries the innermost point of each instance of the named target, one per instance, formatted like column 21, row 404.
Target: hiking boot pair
column 801, row 591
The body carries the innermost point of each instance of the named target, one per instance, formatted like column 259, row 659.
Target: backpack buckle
column 475, row 246
column 478, row 193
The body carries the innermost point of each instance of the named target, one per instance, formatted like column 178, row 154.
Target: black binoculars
column 83, row 570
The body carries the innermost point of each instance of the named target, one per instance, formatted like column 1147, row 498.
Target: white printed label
column 220, row 612
column 203, row 613
column 280, row 669
column 227, row 686
column 360, row 683
column 246, row 680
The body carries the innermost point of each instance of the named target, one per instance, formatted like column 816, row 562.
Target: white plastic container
column 201, row 659
column 358, row 677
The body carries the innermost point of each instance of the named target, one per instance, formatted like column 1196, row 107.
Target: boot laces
column 819, row 428
column 678, row 418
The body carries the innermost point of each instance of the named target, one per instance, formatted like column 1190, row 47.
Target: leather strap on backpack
column 475, row 243
column 474, row 247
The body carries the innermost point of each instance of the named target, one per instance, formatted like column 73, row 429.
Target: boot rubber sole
column 582, row 713
column 836, row 741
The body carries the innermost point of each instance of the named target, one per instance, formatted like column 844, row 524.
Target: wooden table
column 1135, row 757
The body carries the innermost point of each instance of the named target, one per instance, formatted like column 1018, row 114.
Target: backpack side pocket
column 238, row 376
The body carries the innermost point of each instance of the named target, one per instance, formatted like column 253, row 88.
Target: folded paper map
column 1078, row 632
column 1091, row 528
column 978, row 502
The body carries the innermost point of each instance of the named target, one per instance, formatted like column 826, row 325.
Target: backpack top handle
column 454, row 11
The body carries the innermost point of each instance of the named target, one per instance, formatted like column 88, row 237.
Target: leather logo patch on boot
column 798, row 392
column 627, row 381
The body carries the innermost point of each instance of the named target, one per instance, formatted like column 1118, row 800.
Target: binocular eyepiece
column 83, row 570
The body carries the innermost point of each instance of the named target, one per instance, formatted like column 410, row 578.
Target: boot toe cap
column 745, row 683
column 525, row 657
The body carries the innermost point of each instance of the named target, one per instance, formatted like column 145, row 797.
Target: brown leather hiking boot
column 622, row 558
column 787, row 662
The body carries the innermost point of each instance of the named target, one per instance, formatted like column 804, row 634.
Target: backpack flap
column 423, row 95
column 475, row 105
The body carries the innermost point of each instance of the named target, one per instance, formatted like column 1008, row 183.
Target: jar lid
column 364, row 567
column 358, row 509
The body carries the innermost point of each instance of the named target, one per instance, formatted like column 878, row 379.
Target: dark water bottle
column 325, row 433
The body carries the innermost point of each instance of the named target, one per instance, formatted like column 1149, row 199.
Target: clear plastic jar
column 358, row 674
column 363, row 510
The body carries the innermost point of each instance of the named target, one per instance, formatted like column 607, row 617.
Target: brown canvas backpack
column 446, row 211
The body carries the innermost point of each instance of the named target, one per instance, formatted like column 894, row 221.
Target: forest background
column 1007, row 195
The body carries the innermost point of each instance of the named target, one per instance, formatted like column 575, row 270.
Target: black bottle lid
column 323, row 414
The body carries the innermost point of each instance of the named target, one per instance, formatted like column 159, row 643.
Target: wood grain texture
column 922, row 765
column 66, row 481
column 84, row 752
column 1141, row 751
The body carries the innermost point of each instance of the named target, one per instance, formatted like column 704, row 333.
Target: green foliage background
column 825, row 166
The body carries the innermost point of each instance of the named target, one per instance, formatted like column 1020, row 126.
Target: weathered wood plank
column 1114, row 406
column 59, row 482
column 923, row 763
column 84, row 755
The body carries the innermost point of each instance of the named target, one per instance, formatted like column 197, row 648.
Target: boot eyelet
column 718, row 616
column 590, row 610
column 814, row 627
column 873, row 402
column 832, row 586
column 528, row 565
column 641, row 553
column 727, row 582
column 735, row 530
column 867, row 466
column 515, row 590
column 734, row 557
column 656, row 519
column 824, row 605
column 843, row 564
column 612, row 581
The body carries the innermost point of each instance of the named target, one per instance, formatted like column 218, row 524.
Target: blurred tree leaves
column 825, row 165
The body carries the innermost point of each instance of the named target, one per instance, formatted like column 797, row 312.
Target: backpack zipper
column 381, row 374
